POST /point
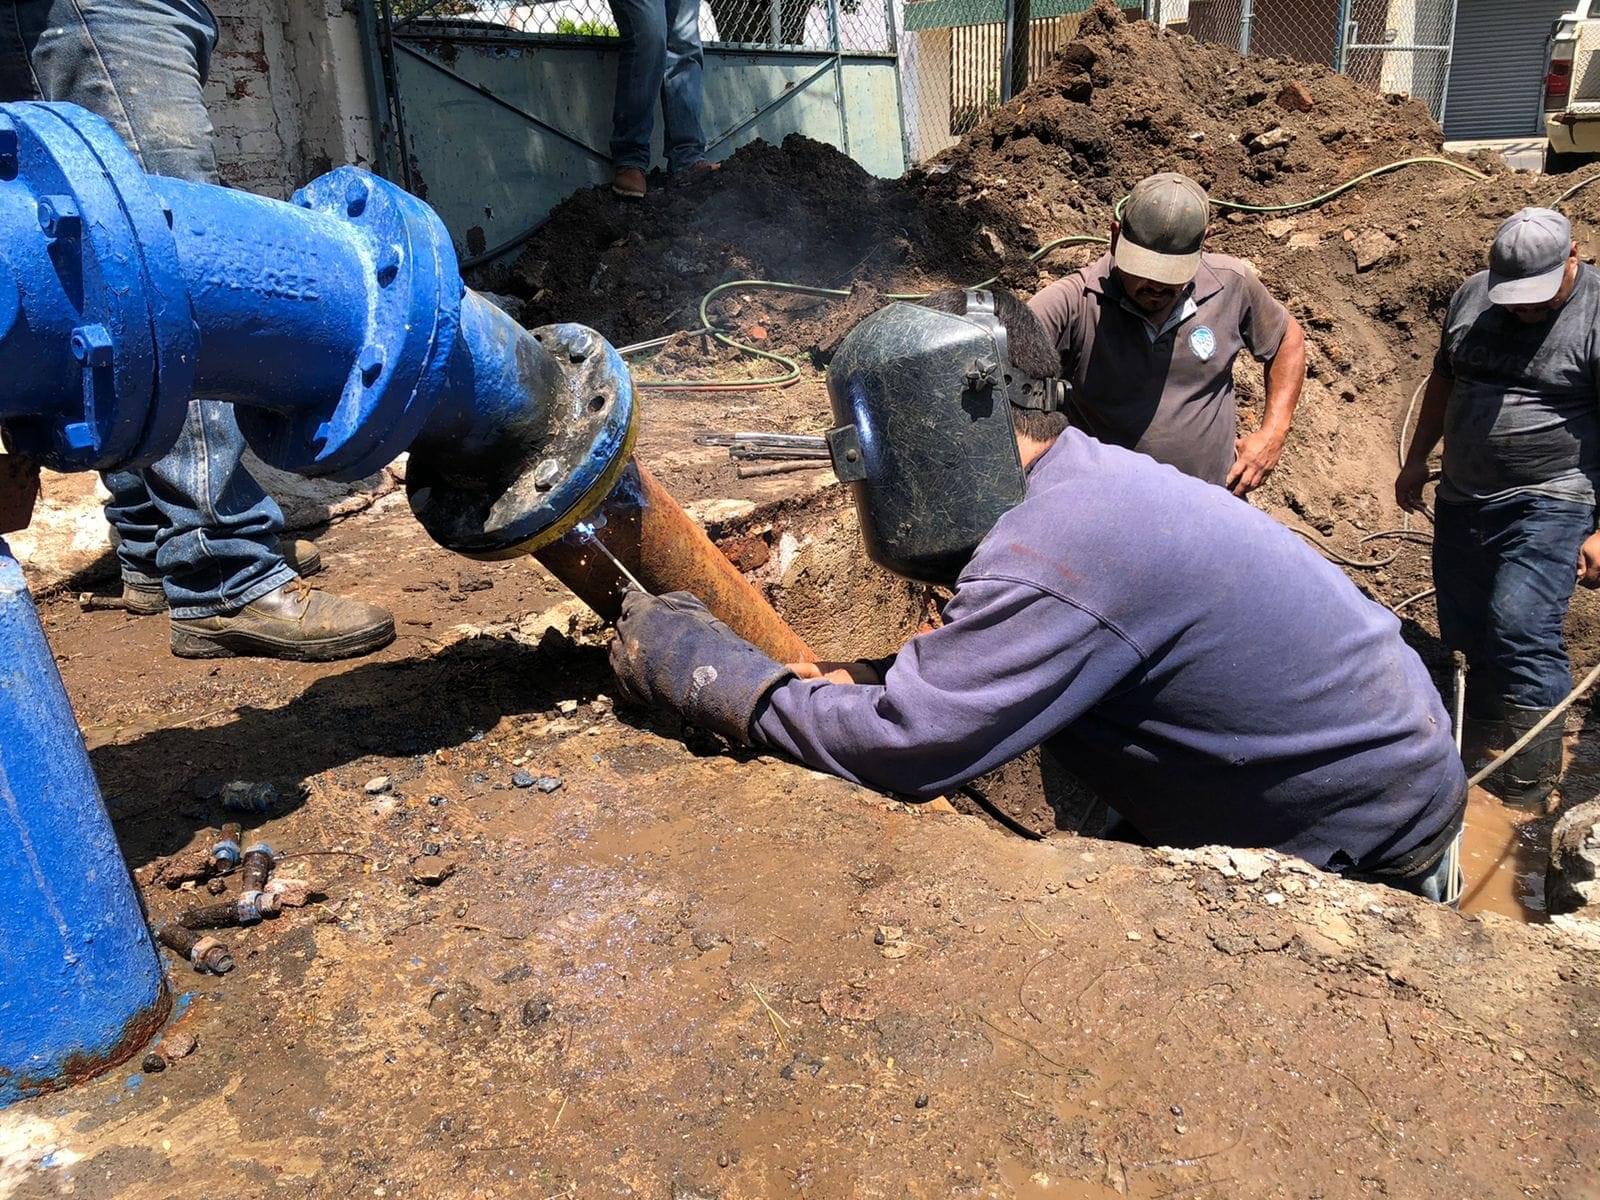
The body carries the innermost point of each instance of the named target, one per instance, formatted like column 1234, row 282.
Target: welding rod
column 616, row 562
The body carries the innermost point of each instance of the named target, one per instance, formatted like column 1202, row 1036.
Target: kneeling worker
column 1211, row 676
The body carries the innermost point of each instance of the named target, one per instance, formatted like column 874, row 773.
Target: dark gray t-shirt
column 1524, row 415
column 1164, row 392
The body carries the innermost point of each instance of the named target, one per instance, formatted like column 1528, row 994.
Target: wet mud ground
column 689, row 974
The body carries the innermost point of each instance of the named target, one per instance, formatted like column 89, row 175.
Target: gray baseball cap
column 1528, row 259
column 1163, row 229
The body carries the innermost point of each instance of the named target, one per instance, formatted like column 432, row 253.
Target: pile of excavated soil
column 1368, row 274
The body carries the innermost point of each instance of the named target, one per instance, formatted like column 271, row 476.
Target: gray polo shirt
column 1524, row 415
column 1165, row 391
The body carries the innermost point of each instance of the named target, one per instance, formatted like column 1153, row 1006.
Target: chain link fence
column 846, row 26
column 1389, row 45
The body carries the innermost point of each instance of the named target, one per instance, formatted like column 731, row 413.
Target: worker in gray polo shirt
column 1148, row 335
column 1515, row 394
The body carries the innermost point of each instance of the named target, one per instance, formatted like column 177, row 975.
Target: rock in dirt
column 178, row 1045
column 1295, row 96
column 1273, row 139
column 1572, row 880
column 153, row 1063
column 378, row 785
column 1250, row 864
column 521, row 779
column 432, row 869
column 1371, row 247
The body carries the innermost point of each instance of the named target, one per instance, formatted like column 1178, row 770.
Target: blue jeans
column 661, row 58
column 1505, row 572
column 195, row 520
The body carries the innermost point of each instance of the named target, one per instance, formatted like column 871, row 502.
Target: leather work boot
column 628, row 182
column 145, row 598
column 1529, row 778
column 295, row 622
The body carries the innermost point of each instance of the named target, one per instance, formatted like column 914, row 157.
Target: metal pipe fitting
column 206, row 954
column 247, row 909
column 225, row 851
column 258, row 863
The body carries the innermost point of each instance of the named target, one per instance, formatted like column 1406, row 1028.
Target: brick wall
column 287, row 93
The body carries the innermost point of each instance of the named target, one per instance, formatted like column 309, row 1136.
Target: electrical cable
column 1573, row 190
column 792, row 372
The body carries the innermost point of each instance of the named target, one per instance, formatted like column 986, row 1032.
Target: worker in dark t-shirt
column 1515, row 395
column 1149, row 332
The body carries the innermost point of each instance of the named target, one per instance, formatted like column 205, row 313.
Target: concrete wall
column 288, row 92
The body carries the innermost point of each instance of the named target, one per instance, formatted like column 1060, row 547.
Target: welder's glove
column 672, row 653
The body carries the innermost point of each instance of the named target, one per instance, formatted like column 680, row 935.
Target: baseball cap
column 1163, row 229
column 1528, row 259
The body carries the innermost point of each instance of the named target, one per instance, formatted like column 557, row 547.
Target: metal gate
column 495, row 112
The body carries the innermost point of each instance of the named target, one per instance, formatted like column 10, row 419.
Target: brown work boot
column 628, row 182
column 146, row 597
column 295, row 621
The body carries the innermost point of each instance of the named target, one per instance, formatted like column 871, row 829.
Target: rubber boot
column 1529, row 778
column 1485, row 724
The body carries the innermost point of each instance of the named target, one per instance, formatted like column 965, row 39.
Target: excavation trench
column 807, row 556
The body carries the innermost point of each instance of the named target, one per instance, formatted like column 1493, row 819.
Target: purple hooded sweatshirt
column 1210, row 675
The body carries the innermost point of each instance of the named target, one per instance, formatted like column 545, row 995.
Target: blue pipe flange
column 563, row 436
column 94, row 294
column 414, row 305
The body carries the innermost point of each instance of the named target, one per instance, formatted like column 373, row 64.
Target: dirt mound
column 801, row 212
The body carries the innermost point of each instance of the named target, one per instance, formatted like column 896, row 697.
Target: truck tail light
column 1558, row 74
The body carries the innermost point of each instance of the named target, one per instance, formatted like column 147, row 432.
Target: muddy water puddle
column 1503, row 857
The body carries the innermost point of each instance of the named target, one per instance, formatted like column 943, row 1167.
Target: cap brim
column 1531, row 289
column 1153, row 265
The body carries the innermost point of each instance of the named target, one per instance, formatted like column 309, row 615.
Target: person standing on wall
column 1513, row 395
column 661, row 59
column 198, row 535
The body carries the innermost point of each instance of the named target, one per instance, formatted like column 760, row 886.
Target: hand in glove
column 670, row 652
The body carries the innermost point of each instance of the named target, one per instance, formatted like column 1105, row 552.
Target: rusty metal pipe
column 641, row 523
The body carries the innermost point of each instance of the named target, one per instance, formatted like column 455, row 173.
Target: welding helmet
column 924, row 438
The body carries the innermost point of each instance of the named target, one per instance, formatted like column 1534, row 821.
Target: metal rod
column 643, row 527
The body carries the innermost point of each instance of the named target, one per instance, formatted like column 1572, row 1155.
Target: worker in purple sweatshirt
column 1209, row 675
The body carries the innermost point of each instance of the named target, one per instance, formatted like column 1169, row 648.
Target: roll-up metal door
column 1497, row 68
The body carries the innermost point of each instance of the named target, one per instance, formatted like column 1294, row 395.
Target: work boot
column 628, row 182
column 1529, row 778
column 294, row 621
column 146, row 597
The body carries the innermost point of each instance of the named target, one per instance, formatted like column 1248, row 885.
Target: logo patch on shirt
column 1203, row 342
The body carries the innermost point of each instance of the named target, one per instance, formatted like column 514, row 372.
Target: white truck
column 1572, row 88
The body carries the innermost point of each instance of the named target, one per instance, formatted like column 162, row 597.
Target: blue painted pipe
column 339, row 327
column 81, row 986
column 336, row 324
